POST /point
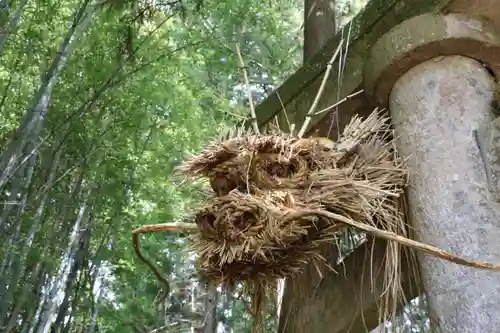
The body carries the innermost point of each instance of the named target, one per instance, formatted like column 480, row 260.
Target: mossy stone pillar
column 435, row 73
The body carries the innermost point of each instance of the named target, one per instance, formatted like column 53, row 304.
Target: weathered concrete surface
column 436, row 106
column 425, row 37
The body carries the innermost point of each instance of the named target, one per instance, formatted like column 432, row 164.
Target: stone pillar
column 434, row 72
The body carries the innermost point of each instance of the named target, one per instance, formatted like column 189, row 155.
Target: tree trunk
column 37, row 319
column 18, row 264
column 30, row 315
column 9, row 23
column 50, row 308
column 19, row 305
column 96, row 304
column 210, row 305
column 319, row 25
column 78, row 263
column 34, row 117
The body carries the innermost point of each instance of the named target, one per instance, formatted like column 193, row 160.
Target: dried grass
column 281, row 197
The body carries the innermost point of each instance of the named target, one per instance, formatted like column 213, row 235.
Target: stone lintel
column 426, row 37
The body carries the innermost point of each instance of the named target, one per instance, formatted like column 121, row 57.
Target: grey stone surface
column 436, row 107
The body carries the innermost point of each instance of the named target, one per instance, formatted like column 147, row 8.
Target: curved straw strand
column 163, row 227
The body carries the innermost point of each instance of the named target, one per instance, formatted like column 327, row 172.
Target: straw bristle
column 259, row 226
column 245, row 236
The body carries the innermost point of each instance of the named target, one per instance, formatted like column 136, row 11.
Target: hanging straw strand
column 391, row 236
column 253, row 116
column 315, row 103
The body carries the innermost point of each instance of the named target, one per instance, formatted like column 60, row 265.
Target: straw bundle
column 246, row 159
column 267, row 219
column 245, row 237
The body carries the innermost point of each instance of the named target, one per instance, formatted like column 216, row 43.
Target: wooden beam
column 343, row 301
column 298, row 92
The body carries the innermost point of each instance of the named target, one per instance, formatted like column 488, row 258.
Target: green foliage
column 133, row 99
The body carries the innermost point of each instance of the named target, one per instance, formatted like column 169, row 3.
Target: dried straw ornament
column 279, row 197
